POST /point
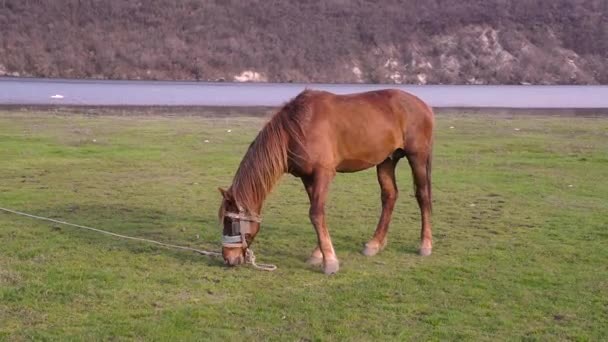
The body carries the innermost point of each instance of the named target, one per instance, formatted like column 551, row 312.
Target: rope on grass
column 250, row 256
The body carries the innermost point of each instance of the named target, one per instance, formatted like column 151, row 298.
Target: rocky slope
column 392, row 41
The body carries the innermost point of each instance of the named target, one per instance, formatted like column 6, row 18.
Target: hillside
column 392, row 41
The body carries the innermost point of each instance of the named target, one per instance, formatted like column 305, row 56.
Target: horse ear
column 225, row 193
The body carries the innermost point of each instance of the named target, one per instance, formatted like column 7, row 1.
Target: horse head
column 239, row 229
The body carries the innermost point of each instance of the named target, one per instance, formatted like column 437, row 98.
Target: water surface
column 32, row 91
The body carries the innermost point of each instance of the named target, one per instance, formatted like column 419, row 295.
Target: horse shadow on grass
column 200, row 232
column 195, row 231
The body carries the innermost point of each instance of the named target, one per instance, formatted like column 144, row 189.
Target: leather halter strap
column 240, row 227
column 244, row 217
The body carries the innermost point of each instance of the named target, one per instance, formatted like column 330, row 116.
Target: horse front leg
column 316, row 257
column 317, row 188
column 389, row 193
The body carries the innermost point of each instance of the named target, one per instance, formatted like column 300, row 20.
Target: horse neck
column 261, row 168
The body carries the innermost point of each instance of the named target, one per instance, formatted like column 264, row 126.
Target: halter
column 241, row 225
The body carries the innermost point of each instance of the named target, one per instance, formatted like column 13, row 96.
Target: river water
column 32, row 91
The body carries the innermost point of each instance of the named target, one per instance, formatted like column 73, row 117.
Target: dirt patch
column 9, row 278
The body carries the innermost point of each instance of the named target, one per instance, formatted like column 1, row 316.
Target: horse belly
column 358, row 155
column 353, row 165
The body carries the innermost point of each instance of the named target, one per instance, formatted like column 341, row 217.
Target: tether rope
column 250, row 257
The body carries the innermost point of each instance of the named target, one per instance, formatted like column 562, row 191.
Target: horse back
column 357, row 131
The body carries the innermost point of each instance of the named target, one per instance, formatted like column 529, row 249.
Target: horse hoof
column 371, row 250
column 425, row 251
column 331, row 267
column 373, row 247
column 314, row 261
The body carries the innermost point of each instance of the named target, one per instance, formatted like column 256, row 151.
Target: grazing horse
column 316, row 135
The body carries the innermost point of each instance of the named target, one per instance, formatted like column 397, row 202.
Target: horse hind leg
column 420, row 163
column 389, row 194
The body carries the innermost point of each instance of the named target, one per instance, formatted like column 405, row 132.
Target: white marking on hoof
column 425, row 251
column 314, row 261
column 331, row 267
column 373, row 247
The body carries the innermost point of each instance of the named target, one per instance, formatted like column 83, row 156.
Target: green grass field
column 520, row 236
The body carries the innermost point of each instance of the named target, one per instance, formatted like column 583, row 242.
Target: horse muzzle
column 234, row 260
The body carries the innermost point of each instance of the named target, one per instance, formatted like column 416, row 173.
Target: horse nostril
column 234, row 261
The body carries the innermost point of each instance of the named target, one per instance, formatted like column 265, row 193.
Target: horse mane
column 266, row 159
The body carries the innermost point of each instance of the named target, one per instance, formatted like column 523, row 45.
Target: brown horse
column 316, row 135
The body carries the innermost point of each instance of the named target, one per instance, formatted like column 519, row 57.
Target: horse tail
column 429, row 160
column 427, row 111
column 429, row 164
